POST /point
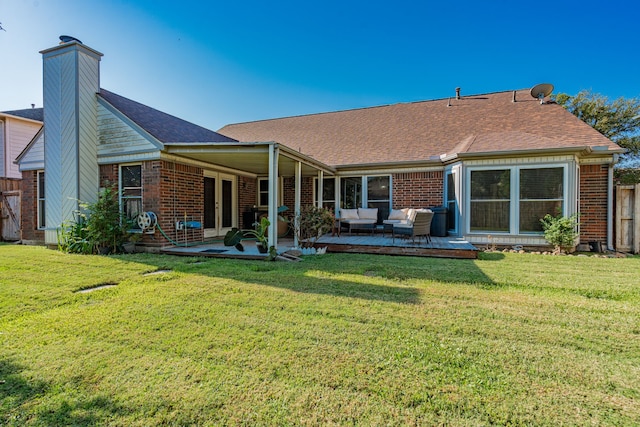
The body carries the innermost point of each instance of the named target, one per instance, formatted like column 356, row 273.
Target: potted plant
column 234, row 236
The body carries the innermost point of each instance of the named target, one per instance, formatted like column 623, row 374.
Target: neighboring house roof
column 419, row 131
column 28, row 113
column 162, row 126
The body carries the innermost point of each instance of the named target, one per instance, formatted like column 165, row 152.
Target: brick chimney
column 71, row 79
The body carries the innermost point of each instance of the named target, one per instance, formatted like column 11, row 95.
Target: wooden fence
column 628, row 218
column 9, row 209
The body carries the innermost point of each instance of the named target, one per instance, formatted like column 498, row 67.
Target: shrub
column 560, row 231
column 98, row 228
column 312, row 223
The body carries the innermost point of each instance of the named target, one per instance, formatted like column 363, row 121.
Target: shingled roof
column 28, row 113
column 418, row 131
column 162, row 126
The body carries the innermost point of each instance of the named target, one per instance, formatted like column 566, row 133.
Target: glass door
column 220, row 204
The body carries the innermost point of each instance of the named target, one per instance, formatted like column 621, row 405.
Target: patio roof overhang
column 252, row 157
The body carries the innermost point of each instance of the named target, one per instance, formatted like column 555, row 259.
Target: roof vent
column 514, row 96
column 457, row 93
column 541, row 91
column 68, row 39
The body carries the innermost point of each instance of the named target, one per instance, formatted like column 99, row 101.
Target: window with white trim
column 514, row 199
column 131, row 191
column 41, row 201
column 263, row 192
column 372, row 191
column 328, row 192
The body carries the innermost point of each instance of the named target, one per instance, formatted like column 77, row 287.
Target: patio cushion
column 348, row 214
column 371, row 213
column 360, row 221
column 397, row 214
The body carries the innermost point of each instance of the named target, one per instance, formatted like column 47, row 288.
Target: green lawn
column 508, row 339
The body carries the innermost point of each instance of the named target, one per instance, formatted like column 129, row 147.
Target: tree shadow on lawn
column 16, row 391
column 353, row 275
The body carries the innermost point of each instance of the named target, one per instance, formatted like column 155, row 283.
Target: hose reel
column 147, row 221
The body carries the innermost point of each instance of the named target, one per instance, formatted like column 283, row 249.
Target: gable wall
column 116, row 137
column 593, row 203
column 17, row 134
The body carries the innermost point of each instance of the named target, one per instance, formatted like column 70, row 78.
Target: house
column 17, row 128
column 498, row 162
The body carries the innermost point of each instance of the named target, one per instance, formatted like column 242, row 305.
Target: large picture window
column 541, row 193
column 514, row 199
column 490, row 200
column 131, row 191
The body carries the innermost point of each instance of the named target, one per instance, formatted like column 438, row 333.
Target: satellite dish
column 67, row 39
column 541, row 91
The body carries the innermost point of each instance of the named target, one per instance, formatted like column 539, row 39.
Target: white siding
column 34, row 158
column 18, row 134
column 71, row 81
column 121, row 140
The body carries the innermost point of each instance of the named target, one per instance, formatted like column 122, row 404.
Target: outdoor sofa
column 359, row 219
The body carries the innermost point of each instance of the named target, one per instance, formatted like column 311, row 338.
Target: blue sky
column 215, row 62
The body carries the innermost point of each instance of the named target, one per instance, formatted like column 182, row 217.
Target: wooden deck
column 364, row 243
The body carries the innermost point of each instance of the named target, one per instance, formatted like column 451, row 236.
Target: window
column 452, row 202
column 513, row 200
column 328, row 193
column 378, row 195
column 541, row 193
column 367, row 191
column 41, row 204
column 263, row 192
column 131, row 191
column 351, row 192
column 490, row 200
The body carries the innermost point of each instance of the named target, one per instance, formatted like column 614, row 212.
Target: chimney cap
column 68, row 39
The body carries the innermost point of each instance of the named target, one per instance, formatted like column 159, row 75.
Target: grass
column 509, row 339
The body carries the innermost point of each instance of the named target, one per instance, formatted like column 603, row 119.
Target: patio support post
column 296, row 209
column 274, row 153
column 320, row 188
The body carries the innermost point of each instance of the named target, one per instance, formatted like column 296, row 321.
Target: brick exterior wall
column 170, row 190
column 289, row 191
column 417, row 189
column 247, row 198
column 593, row 203
column 29, row 208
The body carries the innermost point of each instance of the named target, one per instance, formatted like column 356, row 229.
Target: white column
column 296, row 209
column 320, row 188
column 274, row 153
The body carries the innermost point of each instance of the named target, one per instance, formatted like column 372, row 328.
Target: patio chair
column 420, row 227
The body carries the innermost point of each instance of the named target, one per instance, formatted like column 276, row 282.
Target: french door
column 220, row 204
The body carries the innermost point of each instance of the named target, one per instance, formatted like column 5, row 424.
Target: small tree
column 560, row 231
column 312, row 223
